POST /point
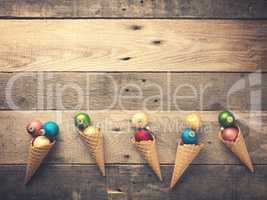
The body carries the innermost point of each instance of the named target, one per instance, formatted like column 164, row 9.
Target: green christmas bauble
column 226, row 119
column 82, row 120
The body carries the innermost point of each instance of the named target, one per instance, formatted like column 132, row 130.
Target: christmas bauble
column 230, row 134
column 189, row 136
column 193, row 121
column 142, row 134
column 226, row 119
column 41, row 141
column 51, row 129
column 82, row 120
column 34, row 128
column 139, row 120
column 91, row 130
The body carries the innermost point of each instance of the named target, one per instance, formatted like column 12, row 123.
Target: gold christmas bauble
column 193, row 121
column 41, row 141
column 139, row 120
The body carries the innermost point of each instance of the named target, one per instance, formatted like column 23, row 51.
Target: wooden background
column 53, row 47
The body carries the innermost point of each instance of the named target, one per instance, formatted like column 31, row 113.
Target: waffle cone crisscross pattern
column 239, row 148
column 95, row 145
column 35, row 157
column 149, row 152
column 185, row 154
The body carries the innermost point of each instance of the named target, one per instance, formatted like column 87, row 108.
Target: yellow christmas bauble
column 193, row 121
column 140, row 120
column 41, row 141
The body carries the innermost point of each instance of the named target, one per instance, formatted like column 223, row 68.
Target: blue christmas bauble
column 51, row 129
column 189, row 136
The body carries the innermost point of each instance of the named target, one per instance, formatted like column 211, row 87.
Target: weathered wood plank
column 133, row 91
column 245, row 9
column 134, row 182
column 133, row 45
column 115, row 126
column 53, row 182
column 198, row 182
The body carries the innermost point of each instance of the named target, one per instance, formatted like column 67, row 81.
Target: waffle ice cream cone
column 35, row 158
column 239, row 148
column 185, row 154
column 149, row 152
column 95, row 145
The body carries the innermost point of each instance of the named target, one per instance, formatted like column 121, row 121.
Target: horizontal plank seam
column 137, row 72
column 95, row 111
column 119, row 18
column 127, row 164
column 128, row 111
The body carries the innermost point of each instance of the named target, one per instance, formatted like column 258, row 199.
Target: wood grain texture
column 245, row 9
column 80, row 182
column 115, row 125
column 133, row 45
column 53, row 182
column 133, row 91
column 198, row 182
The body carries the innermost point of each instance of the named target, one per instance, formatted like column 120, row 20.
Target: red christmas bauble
column 230, row 134
column 142, row 135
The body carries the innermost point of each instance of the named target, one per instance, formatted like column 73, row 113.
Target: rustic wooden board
column 52, row 182
column 115, row 125
column 133, row 45
column 245, row 9
column 133, row 91
column 198, row 182
column 79, row 182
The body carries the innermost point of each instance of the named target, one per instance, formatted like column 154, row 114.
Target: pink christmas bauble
column 34, row 128
column 230, row 134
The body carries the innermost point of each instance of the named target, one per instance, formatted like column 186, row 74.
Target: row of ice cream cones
column 188, row 147
column 145, row 142
column 187, row 150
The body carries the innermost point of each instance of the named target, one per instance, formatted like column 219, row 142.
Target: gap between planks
column 227, row 9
